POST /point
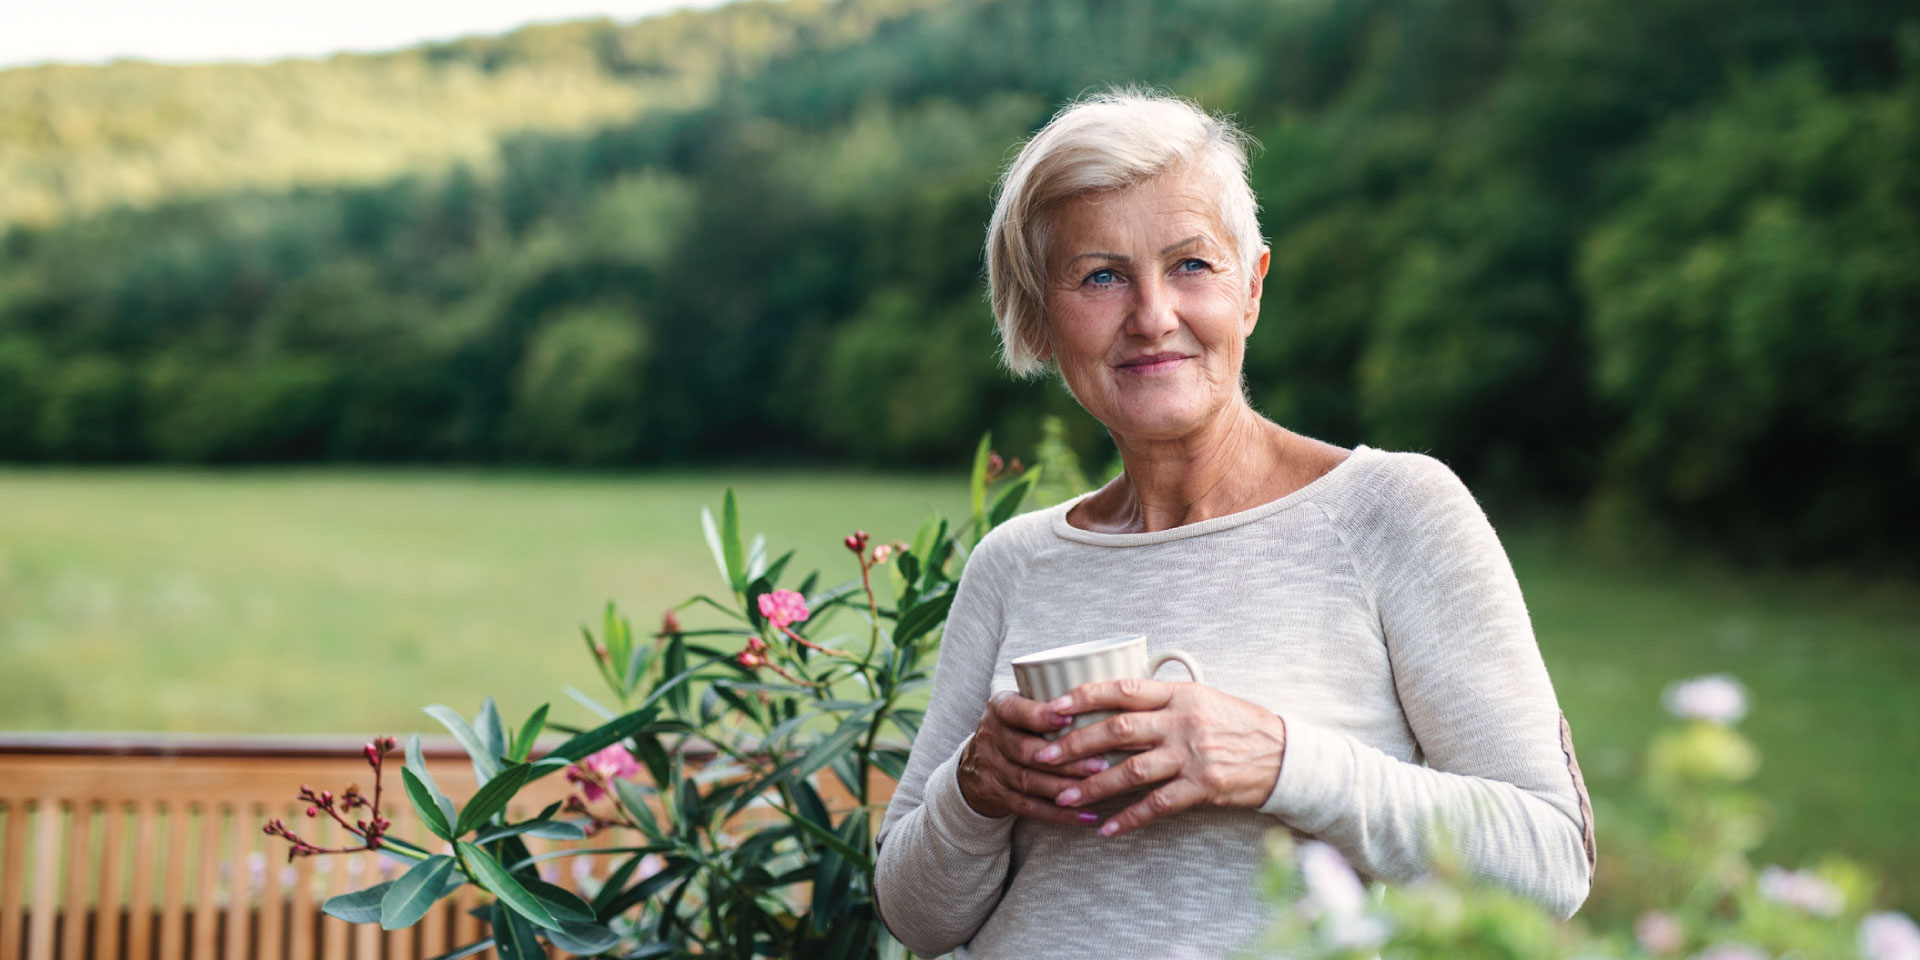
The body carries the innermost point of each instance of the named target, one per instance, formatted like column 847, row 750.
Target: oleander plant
column 734, row 850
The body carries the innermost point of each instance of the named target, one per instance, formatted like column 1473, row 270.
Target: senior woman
column 1372, row 676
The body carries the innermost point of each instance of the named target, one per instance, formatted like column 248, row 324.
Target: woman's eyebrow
column 1123, row 258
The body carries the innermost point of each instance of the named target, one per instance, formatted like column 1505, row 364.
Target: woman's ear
column 1256, row 287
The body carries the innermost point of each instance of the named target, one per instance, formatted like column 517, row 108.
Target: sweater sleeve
column 1501, row 783
column 942, row 866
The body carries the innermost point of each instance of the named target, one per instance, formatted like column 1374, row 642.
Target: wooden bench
column 150, row 848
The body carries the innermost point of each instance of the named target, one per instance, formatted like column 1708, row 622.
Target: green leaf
column 1009, row 502
column 825, row 836
column 605, row 735
column 560, row 902
column 492, row 798
column 513, row 936
column 580, row 697
column 462, row 952
column 930, row 530
column 417, row 762
column 485, row 765
column 676, row 868
column 619, row 634
column 616, row 882
column 361, row 906
column 831, row 889
column 678, row 695
column 891, row 762
column 713, row 543
column 544, row 829
column 529, row 731
column 977, row 482
column 929, row 613
column 415, row 893
column 593, row 652
column 757, row 556
column 427, row 803
column 493, row 736
column 490, row 874
column 832, row 745
column 583, row 939
column 730, row 542
column 637, row 665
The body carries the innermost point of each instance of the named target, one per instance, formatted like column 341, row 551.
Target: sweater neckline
column 1068, row 531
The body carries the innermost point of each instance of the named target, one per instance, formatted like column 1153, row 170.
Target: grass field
column 306, row 601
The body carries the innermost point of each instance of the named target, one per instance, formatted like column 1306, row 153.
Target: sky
column 188, row 31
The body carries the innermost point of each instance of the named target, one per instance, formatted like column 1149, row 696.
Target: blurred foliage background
column 1654, row 262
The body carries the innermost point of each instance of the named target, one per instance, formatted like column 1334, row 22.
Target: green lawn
column 307, row 600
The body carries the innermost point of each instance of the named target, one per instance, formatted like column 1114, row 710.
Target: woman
column 1373, row 679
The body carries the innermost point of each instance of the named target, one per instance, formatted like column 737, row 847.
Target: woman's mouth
column 1154, row 363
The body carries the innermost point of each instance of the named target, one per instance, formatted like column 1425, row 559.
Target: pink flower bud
column 995, row 464
column 751, row 659
column 881, row 553
column 852, row 543
column 313, row 811
column 670, row 622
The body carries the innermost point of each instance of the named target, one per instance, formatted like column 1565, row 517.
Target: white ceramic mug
column 1051, row 674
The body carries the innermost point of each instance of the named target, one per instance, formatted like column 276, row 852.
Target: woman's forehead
column 1174, row 208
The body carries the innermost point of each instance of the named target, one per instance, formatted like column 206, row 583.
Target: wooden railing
column 150, row 848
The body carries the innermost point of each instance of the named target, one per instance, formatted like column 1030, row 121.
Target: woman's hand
column 998, row 772
column 1206, row 746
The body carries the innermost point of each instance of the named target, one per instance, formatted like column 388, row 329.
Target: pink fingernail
column 1048, row 754
column 1061, row 704
column 1109, row 828
column 1060, row 721
column 1067, row 796
column 1088, row 816
column 1096, row 765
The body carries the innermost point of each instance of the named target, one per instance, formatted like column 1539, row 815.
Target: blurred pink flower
column 1659, row 933
column 613, row 763
column 1716, row 699
column 1889, row 935
column 782, row 607
column 1801, row 890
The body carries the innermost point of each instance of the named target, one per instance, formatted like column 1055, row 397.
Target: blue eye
column 1101, row 277
column 1191, row 265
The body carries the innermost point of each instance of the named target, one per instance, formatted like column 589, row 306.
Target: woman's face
column 1148, row 306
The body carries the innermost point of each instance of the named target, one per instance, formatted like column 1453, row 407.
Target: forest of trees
column 1654, row 259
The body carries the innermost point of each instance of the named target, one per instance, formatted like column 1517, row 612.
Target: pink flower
column 1889, row 935
column 1802, row 890
column 881, row 553
column 782, row 607
column 1659, row 933
column 613, row 763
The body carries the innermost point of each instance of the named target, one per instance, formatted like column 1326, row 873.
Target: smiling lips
column 1153, row 363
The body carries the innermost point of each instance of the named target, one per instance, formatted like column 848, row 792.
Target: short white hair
column 1103, row 141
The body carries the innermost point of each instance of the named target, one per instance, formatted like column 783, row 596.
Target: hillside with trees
column 1648, row 259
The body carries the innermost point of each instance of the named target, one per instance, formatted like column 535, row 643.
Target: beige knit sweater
column 1373, row 610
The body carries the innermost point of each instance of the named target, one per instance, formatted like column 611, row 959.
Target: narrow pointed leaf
column 977, row 482
column 462, row 952
column 605, row 735
column 414, row 893
column 530, row 731
column 560, row 902
column 713, row 543
column 490, row 874
column 492, row 798
column 493, row 736
column 513, row 936
column 730, row 542
column 484, row 763
column 360, row 906
column 426, row 803
column 632, row 798
column 583, row 939
column 416, row 762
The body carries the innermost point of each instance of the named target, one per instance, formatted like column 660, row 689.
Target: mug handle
column 1185, row 661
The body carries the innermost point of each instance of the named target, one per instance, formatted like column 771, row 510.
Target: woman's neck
column 1236, row 462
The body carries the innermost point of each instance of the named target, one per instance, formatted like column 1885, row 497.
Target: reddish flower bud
column 1015, row 466
column 756, row 644
column 326, row 797
column 373, row 843
column 268, row 830
column 751, row 659
column 995, row 464
column 861, row 535
column 600, row 650
column 390, row 742
column 670, row 622
column 313, row 811
column 852, row 543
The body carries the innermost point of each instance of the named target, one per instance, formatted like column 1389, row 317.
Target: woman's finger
column 1127, row 693
column 1139, row 770
column 1168, row 800
column 1122, row 731
column 1023, row 749
column 1016, row 711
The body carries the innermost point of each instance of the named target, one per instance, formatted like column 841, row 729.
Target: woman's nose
column 1153, row 315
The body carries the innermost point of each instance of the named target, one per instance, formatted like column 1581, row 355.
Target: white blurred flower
column 1716, row 699
column 1801, row 890
column 1332, row 886
column 1730, row 951
column 257, row 871
column 1335, row 894
column 1888, row 935
column 1659, row 933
